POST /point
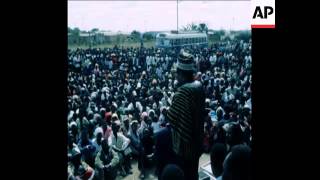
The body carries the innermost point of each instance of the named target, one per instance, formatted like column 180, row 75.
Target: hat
column 186, row 61
column 73, row 124
column 98, row 130
column 143, row 115
column 134, row 122
column 114, row 116
column 154, row 81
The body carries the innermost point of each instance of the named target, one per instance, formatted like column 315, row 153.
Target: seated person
column 136, row 146
column 147, row 141
column 125, row 126
column 120, row 144
column 98, row 133
column 87, row 148
column 106, row 162
column 77, row 169
column 163, row 149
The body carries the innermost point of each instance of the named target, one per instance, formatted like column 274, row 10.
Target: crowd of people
column 119, row 99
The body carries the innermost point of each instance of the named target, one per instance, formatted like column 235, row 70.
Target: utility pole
column 177, row 17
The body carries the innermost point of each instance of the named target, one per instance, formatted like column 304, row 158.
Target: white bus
column 181, row 39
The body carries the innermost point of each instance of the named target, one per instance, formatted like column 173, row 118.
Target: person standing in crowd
column 87, row 148
column 136, row 146
column 186, row 116
column 163, row 149
column 97, row 140
column 77, row 168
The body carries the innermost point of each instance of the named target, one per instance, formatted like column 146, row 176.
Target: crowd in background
column 118, row 100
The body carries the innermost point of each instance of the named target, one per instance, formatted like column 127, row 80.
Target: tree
column 94, row 30
column 243, row 35
column 147, row 36
column 203, row 27
column 190, row 27
column 135, row 35
column 76, row 31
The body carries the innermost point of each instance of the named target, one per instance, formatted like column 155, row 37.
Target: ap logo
column 263, row 14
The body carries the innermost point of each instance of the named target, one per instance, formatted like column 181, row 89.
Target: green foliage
column 243, row 35
column 135, row 35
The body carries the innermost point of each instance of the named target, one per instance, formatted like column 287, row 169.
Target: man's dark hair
column 217, row 156
column 238, row 164
column 105, row 145
column 172, row 171
column 236, row 135
column 187, row 74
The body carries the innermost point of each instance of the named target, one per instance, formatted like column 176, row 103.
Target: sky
column 143, row 16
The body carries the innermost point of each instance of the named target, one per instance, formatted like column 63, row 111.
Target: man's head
column 217, row 156
column 237, row 165
column 219, row 113
column 134, row 125
column 84, row 135
column 185, row 68
column 154, row 83
column 114, row 117
column 172, row 171
column 98, row 133
column 99, row 137
column 105, row 146
column 234, row 134
column 232, row 82
column 116, row 126
column 126, row 122
column 108, row 116
column 164, row 111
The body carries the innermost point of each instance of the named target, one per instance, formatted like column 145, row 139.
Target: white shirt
column 148, row 60
column 167, row 59
column 156, row 126
column 120, row 143
column 138, row 105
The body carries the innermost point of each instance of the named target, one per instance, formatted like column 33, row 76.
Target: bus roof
column 181, row 35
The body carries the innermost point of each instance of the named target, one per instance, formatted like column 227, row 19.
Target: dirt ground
column 150, row 175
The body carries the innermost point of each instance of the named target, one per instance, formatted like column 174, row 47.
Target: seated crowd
column 118, row 100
